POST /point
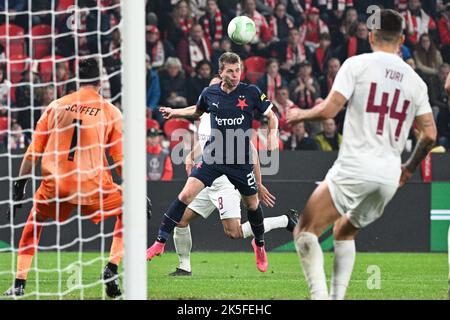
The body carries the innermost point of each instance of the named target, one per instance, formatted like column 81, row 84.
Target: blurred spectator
column 417, row 23
column 312, row 28
column 336, row 5
column 63, row 83
column 28, row 101
column 4, row 132
column 194, row 49
column 17, row 137
column 266, row 7
column 229, row 7
column 159, row 164
column 157, row 49
column 443, row 126
column 326, row 81
column 225, row 46
column 173, row 84
column 280, row 23
column 263, row 34
column 350, row 23
column 48, row 96
column 214, row 23
column 16, row 11
column 329, row 139
column 412, row 63
column 179, row 24
column 357, row 44
column 282, row 104
column 323, row 54
column 404, row 52
column 290, row 53
column 271, row 79
column 153, row 93
column 299, row 140
column 259, row 138
column 43, row 5
column 112, row 64
column 436, row 91
column 444, row 33
column 304, row 89
column 75, row 27
column 5, row 87
column 198, row 7
column 196, row 84
column 427, row 57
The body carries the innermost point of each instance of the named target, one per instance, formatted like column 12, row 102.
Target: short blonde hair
column 228, row 58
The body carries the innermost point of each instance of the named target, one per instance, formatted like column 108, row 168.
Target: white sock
column 183, row 245
column 344, row 259
column 269, row 224
column 449, row 262
column 311, row 258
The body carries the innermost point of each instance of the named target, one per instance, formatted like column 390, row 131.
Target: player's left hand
column 406, row 175
column 166, row 112
column 265, row 196
column 294, row 115
column 149, row 208
column 18, row 195
column 272, row 141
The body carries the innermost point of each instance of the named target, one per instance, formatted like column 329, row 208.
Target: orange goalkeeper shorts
column 109, row 205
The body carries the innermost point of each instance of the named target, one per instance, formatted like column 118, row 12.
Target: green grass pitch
column 234, row 276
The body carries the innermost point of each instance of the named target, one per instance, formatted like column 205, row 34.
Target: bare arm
column 427, row 138
column 329, row 108
column 190, row 158
column 272, row 135
column 263, row 194
column 188, row 112
column 447, row 85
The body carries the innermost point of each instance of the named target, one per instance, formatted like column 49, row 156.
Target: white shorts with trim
column 222, row 196
column 361, row 201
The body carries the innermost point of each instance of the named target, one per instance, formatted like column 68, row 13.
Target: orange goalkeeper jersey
column 71, row 137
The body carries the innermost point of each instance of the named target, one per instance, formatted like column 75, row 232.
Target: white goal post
column 134, row 171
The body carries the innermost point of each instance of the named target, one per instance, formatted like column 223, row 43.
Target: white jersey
column 204, row 129
column 384, row 96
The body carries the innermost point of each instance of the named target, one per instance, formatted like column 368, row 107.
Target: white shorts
column 221, row 196
column 361, row 201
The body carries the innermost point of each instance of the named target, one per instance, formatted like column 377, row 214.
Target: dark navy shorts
column 240, row 175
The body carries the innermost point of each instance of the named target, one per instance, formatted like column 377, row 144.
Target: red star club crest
column 242, row 103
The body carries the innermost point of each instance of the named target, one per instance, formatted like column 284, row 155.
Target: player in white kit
column 221, row 196
column 384, row 97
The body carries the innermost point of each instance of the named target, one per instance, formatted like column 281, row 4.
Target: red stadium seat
column 46, row 67
column 173, row 124
column 17, row 64
column 42, row 40
column 13, row 36
column 151, row 123
column 63, row 5
column 254, row 68
column 3, row 129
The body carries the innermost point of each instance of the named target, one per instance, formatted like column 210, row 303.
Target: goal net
column 64, row 255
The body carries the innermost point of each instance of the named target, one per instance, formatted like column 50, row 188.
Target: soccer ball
column 241, row 30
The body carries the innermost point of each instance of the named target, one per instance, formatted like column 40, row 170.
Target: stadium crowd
column 294, row 58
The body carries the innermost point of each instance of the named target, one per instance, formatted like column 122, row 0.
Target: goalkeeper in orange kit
column 71, row 137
